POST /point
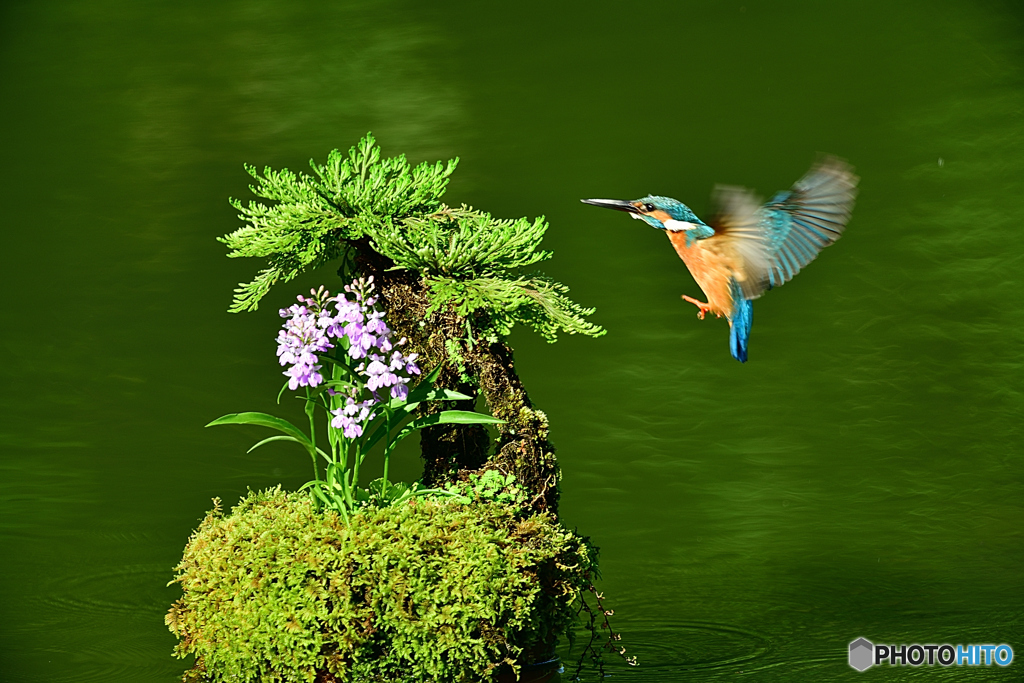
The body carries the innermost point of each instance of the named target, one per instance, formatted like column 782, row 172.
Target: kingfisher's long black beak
column 617, row 204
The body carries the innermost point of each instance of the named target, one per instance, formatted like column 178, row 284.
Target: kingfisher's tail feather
column 739, row 331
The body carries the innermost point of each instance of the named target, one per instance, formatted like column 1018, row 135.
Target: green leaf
column 276, row 438
column 431, row 376
column 264, row 420
column 394, row 492
column 465, row 417
column 402, row 408
column 424, row 392
column 462, row 417
column 330, row 502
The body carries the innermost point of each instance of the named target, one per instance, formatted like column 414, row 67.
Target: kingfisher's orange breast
column 711, row 266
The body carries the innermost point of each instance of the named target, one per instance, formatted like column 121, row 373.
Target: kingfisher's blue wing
column 801, row 222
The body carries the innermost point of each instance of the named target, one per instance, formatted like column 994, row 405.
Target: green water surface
column 861, row 476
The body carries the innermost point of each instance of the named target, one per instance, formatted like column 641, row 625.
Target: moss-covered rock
column 431, row 590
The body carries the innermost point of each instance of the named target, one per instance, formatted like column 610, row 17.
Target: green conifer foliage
column 472, row 261
column 314, row 217
column 468, row 259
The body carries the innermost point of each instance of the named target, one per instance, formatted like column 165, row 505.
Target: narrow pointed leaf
column 463, row 417
column 433, row 375
column 425, row 392
column 275, row 438
column 378, row 427
column 402, row 409
column 264, row 420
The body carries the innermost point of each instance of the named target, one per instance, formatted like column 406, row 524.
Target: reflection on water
column 861, row 476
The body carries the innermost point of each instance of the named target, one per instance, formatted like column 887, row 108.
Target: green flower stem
column 387, row 456
column 346, row 488
column 357, row 460
column 312, row 433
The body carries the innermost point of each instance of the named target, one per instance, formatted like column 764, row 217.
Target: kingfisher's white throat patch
column 677, row 226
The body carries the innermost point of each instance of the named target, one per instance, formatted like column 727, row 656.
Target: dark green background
column 860, row 476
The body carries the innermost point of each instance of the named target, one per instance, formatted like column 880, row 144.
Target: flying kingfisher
column 748, row 247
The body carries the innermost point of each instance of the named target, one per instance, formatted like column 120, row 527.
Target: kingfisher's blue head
column 663, row 213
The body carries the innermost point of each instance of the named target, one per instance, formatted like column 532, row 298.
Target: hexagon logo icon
column 861, row 654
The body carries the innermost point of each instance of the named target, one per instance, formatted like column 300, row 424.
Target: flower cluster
column 298, row 344
column 350, row 320
column 350, row 417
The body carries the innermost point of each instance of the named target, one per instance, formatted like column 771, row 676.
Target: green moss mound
column 431, row 590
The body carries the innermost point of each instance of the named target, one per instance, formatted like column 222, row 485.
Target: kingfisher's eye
column 648, row 207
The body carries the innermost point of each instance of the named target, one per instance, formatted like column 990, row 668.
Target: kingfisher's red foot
column 704, row 308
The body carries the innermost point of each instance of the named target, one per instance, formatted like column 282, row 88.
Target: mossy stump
column 486, row 369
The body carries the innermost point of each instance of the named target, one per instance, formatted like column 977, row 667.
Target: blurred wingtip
column 836, row 168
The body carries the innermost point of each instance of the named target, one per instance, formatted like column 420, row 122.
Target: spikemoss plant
column 312, row 218
column 430, row 590
column 470, row 260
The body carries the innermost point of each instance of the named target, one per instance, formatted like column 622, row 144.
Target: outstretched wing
column 740, row 238
column 809, row 217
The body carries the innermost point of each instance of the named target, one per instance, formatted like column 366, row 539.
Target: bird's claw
column 702, row 308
